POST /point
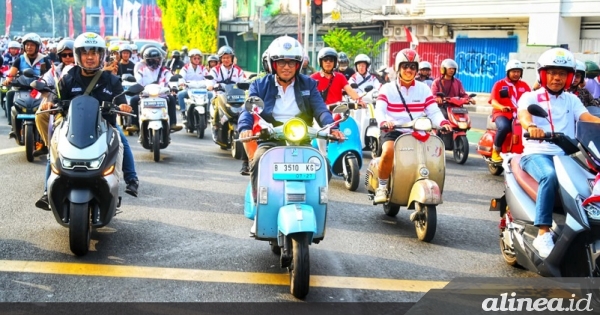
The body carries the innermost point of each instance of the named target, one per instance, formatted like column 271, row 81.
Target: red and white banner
column 83, row 21
column 8, row 16
column 71, row 28
column 116, row 17
column 102, row 26
column 414, row 42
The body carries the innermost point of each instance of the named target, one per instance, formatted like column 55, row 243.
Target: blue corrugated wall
column 481, row 61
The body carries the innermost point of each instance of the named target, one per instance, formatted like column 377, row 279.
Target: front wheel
column 374, row 146
column 300, row 267
column 29, row 142
column 156, row 145
column 495, row 169
column 200, row 125
column 352, row 176
column 425, row 221
column 80, row 229
column 461, row 149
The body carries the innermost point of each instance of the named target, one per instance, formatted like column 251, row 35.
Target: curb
column 481, row 104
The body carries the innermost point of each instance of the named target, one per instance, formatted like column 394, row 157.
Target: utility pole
column 259, row 11
column 306, row 26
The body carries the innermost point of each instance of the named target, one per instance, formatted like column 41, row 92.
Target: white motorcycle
column 127, row 80
column 154, row 119
column 367, row 124
column 196, row 108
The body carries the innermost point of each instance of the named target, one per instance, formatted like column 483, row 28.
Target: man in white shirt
column 150, row 72
column 556, row 68
column 193, row 71
column 400, row 102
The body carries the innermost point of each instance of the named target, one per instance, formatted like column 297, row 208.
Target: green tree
column 191, row 23
column 342, row 40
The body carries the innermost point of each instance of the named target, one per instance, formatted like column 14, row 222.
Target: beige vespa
column 417, row 178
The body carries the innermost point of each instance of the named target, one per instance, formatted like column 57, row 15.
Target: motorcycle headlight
column 153, row 90
column 423, row 124
column 316, row 162
column 87, row 164
column 295, row 129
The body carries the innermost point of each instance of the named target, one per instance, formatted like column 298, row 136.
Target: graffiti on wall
column 480, row 64
column 435, row 59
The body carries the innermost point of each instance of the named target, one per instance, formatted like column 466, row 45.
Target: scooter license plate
column 294, row 171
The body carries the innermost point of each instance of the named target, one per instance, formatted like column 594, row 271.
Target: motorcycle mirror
column 472, row 95
column 354, row 86
column 369, row 88
column 128, row 78
column 504, row 94
column 243, row 85
column 134, row 90
column 29, row 73
column 440, row 94
column 253, row 101
column 342, row 108
column 208, row 77
column 175, row 78
column 252, row 76
column 537, row 110
column 39, row 86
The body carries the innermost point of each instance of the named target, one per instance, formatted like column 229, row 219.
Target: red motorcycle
column 512, row 144
column 458, row 116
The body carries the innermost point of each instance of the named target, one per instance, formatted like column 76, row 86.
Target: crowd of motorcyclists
column 290, row 87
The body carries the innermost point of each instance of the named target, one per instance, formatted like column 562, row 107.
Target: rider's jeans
column 541, row 168
column 10, row 97
column 503, row 125
column 181, row 96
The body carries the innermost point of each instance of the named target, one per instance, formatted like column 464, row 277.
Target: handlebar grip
column 547, row 135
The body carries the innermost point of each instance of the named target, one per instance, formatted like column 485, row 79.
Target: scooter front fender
column 296, row 218
column 200, row 109
column 373, row 131
column 425, row 191
column 80, row 195
column 155, row 125
column 457, row 134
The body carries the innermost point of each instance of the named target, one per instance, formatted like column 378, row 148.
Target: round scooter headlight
column 295, row 129
column 423, row 124
column 316, row 162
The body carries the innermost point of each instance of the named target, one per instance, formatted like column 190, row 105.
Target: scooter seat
column 490, row 124
column 529, row 185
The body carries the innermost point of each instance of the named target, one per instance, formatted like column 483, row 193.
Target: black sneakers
column 132, row 187
column 43, row 203
column 245, row 169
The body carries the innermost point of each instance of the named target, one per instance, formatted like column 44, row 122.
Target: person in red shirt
column 504, row 97
column 448, row 84
column 329, row 82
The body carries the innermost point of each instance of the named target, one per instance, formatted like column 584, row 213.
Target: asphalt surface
column 185, row 237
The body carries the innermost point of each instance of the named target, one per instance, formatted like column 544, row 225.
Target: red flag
column 147, row 22
column 8, row 16
column 102, row 26
column 83, row 21
column 71, row 29
column 157, row 18
column 414, row 42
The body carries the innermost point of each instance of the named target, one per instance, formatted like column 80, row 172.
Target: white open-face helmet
column 514, row 64
column 89, row 42
column 285, row 47
column 556, row 58
column 362, row 58
column 424, row 65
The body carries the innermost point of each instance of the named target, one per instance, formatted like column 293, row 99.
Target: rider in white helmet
column 578, row 86
column 193, row 71
column 424, row 73
column 504, row 98
column 556, row 69
column 362, row 77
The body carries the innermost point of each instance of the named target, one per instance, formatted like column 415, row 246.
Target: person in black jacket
column 90, row 50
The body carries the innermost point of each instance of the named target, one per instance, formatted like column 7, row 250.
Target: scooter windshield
column 588, row 134
column 83, row 118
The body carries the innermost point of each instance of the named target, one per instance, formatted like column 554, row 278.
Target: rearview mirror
column 252, row 102
column 440, row 94
column 369, row 88
column 29, row 73
column 134, row 90
column 472, row 95
column 342, row 108
column 243, row 85
column 537, row 110
column 128, row 78
column 208, row 77
column 175, row 78
column 252, row 76
column 39, row 86
column 354, row 86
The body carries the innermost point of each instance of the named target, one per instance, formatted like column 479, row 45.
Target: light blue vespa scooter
column 292, row 196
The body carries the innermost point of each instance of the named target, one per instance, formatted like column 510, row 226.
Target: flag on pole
column 8, row 16
column 135, row 25
column 102, row 25
column 71, row 28
column 414, row 42
column 83, row 21
column 115, row 17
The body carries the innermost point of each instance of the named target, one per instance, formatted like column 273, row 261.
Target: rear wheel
column 461, row 149
column 156, row 145
column 80, row 228
column 300, row 267
column 495, row 169
column 200, row 125
column 29, row 142
column 352, row 176
column 425, row 222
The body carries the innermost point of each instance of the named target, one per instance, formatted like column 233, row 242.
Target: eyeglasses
column 65, row 55
column 560, row 73
column 283, row 63
column 410, row 66
column 328, row 59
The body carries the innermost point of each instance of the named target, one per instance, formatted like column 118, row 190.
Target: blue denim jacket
column 309, row 102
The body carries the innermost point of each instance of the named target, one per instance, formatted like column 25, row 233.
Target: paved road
column 185, row 238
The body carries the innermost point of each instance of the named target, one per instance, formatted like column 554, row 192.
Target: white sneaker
column 544, row 244
column 253, row 228
column 381, row 195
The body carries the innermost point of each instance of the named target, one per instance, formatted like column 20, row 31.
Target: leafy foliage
column 352, row 45
column 191, row 23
